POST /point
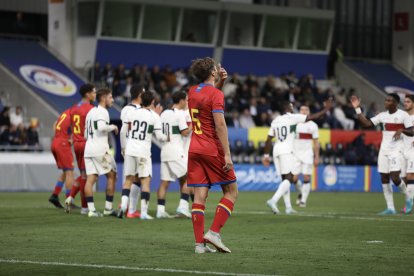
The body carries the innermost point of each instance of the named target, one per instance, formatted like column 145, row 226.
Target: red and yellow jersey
column 62, row 128
column 77, row 120
column 203, row 101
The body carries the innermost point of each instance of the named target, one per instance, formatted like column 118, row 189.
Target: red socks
column 197, row 214
column 223, row 212
column 82, row 192
column 75, row 188
column 58, row 188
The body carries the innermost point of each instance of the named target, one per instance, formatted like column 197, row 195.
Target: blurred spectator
column 233, row 121
column 20, row 27
column 246, row 120
column 16, row 116
column 372, row 110
column 10, row 136
column 335, row 55
column 5, row 117
column 32, row 134
column 339, row 114
column 170, row 78
column 95, row 74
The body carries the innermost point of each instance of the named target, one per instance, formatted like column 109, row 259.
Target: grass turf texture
column 330, row 236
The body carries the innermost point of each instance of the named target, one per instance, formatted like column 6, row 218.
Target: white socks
column 298, row 186
column 133, row 198
column 144, row 207
column 283, row 188
column 91, row 207
column 124, row 203
column 286, row 199
column 410, row 191
column 403, row 188
column 160, row 208
column 108, row 205
column 306, row 188
column 389, row 199
column 184, row 204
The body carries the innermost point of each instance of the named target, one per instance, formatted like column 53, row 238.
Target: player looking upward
column 98, row 160
column 62, row 152
column 78, row 114
column 209, row 159
column 173, row 161
column 390, row 155
column 135, row 91
column 306, row 151
column 142, row 123
column 282, row 129
column 407, row 168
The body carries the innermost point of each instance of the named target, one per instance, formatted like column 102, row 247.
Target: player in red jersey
column 61, row 149
column 209, row 160
column 78, row 114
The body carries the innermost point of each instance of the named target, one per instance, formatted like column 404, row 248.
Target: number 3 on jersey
column 76, row 121
column 196, row 121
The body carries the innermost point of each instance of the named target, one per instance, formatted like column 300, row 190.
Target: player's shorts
column 100, row 165
column 134, row 165
column 171, row 170
column 207, row 171
column 63, row 154
column 284, row 163
column 390, row 162
column 79, row 148
column 407, row 163
column 301, row 167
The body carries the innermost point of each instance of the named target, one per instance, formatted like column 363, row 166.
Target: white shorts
column 390, row 162
column 284, row 163
column 134, row 165
column 301, row 167
column 100, row 165
column 171, row 170
column 407, row 163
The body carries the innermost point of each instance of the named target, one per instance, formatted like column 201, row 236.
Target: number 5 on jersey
column 196, row 121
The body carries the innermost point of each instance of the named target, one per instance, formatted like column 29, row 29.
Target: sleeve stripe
column 218, row 111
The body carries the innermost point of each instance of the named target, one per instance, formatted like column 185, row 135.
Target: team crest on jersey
column 48, row 80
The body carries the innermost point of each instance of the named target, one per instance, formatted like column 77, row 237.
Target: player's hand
column 266, row 161
column 123, row 152
column 328, row 103
column 115, row 129
column 397, row 135
column 70, row 141
column 229, row 164
column 316, row 161
column 355, row 101
column 222, row 73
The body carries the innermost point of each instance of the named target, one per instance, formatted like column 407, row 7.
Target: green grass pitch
column 337, row 234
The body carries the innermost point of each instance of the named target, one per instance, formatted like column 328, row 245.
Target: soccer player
column 98, row 160
column 407, row 168
column 135, row 91
column 306, row 151
column 282, row 129
column 173, row 162
column 390, row 155
column 143, row 123
column 62, row 152
column 209, row 159
column 78, row 114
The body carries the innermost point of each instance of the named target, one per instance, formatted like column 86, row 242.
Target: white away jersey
column 283, row 128
column 390, row 123
column 408, row 141
column 127, row 109
column 305, row 133
column 173, row 122
column 96, row 132
column 143, row 123
column 187, row 140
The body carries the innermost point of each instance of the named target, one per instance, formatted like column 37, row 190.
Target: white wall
column 403, row 41
column 60, row 28
column 85, row 50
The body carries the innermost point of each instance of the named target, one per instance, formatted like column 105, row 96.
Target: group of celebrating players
column 195, row 150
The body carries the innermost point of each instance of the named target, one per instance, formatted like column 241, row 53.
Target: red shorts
column 63, row 154
column 207, row 171
column 79, row 148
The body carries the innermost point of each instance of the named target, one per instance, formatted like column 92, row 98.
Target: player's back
column 96, row 140
column 78, row 117
column 203, row 101
column 283, row 129
column 62, row 128
column 173, row 122
column 142, row 123
column 126, row 109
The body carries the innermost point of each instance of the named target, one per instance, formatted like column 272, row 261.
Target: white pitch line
column 122, row 267
column 331, row 216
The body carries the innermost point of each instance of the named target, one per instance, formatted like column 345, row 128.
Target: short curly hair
column 201, row 68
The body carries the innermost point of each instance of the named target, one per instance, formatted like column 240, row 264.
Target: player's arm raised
column 356, row 103
column 222, row 134
column 327, row 106
column 223, row 76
